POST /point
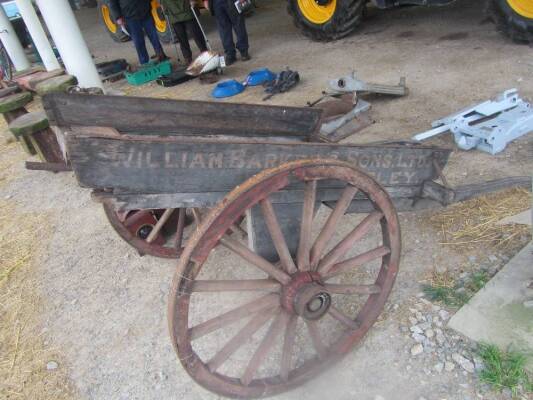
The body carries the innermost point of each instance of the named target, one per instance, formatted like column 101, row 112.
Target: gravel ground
column 106, row 305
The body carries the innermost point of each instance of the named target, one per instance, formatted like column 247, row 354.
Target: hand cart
column 256, row 318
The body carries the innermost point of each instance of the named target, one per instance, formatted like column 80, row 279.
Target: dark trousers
column 137, row 28
column 228, row 19
column 181, row 33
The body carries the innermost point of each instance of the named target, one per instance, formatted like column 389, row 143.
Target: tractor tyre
column 163, row 30
column 513, row 17
column 110, row 24
column 326, row 20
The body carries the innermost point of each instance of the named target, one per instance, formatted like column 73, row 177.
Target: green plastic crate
column 149, row 72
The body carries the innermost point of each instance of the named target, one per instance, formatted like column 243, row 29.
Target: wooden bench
column 14, row 106
column 34, row 128
column 56, row 84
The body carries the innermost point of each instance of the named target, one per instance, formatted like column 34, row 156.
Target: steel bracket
column 351, row 83
column 488, row 126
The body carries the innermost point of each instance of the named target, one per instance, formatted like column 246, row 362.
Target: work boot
column 230, row 60
column 245, row 56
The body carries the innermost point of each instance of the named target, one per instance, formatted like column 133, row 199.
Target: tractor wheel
column 110, row 24
column 513, row 17
column 325, row 20
column 163, row 30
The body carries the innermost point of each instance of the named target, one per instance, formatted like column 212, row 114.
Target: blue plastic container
column 260, row 76
column 227, row 89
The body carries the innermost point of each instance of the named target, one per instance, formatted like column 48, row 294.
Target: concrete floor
column 107, row 306
column 497, row 313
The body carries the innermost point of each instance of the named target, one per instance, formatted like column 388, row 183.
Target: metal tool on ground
column 285, row 81
column 338, row 124
column 488, row 126
column 351, row 83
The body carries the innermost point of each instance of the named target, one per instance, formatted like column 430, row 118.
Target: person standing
column 136, row 16
column 228, row 19
column 180, row 16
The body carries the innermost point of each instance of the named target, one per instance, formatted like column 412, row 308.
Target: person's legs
column 224, row 29
column 239, row 27
column 135, row 29
column 151, row 32
column 197, row 35
column 181, row 34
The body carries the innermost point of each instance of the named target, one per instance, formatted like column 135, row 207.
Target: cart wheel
column 252, row 344
column 159, row 233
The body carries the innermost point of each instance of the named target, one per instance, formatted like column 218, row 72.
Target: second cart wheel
column 159, row 233
column 246, row 327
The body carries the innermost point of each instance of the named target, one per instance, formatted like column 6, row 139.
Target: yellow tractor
column 325, row 20
column 118, row 35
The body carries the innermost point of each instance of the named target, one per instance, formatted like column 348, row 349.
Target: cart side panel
column 168, row 165
column 179, row 117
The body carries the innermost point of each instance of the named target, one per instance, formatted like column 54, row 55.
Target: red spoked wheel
column 242, row 334
column 159, row 233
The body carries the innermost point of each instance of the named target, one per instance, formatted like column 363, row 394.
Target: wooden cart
column 256, row 317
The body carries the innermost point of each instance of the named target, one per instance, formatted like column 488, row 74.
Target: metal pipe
column 11, row 43
column 37, row 33
column 69, row 41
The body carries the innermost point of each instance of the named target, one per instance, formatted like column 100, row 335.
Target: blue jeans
column 228, row 19
column 137, row 28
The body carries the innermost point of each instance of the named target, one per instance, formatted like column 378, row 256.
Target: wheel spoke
column 341, row 317
column 240, row 339
column 277, row 236
column 331, row 224
column 255, row 259
column 288, row 344
column 234, row 286
column 352, row 289
column 346, row 244
column 275, row 329
column 178, row 239
column 197, row 216
column 238, row 230
column 157, row 228
column 234, row 315
column 319, row 346
column 308, row 210
column 355, row 262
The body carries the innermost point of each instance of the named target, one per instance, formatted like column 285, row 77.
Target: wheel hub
column 306, row 296
column 317, row 11
column 522, row 7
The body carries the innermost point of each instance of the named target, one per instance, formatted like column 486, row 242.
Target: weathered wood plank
column 138, row 164
column 143, row 115
column 136, row 201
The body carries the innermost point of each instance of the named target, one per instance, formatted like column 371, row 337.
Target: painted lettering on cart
column 394, row 167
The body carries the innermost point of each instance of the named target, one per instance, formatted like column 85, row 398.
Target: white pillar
column 28, row 14
column 11, row 43
column 66, row 33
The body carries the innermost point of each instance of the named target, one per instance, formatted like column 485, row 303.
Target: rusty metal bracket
column 351, row 83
